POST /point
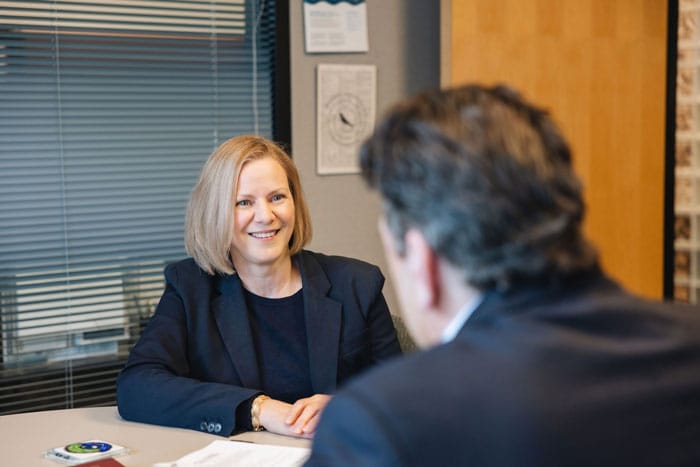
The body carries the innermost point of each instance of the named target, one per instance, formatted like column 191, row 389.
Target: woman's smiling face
column 263, row 219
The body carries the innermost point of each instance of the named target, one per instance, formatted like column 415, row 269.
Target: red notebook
column 108, row 462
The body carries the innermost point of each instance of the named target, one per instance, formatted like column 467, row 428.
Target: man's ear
column 422, row 264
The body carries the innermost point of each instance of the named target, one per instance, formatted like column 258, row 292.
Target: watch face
column 347, row 119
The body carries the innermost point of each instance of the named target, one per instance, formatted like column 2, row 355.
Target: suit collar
column 231, row 315
column 323, row 322
column 527, row 297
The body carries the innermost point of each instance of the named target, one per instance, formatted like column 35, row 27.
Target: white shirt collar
column 458, row 320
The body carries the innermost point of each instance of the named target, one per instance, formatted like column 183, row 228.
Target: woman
column 253, row 332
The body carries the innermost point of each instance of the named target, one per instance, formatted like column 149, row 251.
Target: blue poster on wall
column 335, row 26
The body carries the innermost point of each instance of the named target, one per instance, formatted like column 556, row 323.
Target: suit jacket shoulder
column 188, row 274
column 339, row 269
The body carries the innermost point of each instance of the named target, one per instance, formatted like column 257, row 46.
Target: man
column 533, row 356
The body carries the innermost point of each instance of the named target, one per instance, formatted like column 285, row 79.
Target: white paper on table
column 229, row 453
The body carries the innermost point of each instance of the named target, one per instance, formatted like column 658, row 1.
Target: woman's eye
column 243, row 202
column 278, row 197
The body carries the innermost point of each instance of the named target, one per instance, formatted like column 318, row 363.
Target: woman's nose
column 263, row 212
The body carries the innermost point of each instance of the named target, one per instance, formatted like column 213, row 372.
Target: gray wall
column 404, row 45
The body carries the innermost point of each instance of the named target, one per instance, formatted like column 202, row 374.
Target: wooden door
column 599, row 66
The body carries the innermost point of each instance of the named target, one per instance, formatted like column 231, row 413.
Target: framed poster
column 334, row 26
column 346, row 96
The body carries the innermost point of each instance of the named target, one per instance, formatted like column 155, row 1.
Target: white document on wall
column 228, row 453
column 334, row 26
column 346, row 100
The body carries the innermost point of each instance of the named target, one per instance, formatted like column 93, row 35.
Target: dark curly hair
column 487, row 178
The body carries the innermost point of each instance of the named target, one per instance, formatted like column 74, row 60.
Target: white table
column 25, row 437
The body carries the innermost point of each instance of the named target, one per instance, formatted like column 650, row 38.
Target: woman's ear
column 423, row 266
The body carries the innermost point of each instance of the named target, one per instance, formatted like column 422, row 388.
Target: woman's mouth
column 263, row 235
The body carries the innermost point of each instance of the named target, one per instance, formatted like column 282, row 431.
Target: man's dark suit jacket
column 195, row 362
column 578, row 373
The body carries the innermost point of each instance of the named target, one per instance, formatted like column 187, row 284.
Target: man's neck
column 457, row 300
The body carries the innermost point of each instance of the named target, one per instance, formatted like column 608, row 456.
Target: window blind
column 108, row 110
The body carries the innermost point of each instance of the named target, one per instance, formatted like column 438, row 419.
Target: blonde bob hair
column 209, row 216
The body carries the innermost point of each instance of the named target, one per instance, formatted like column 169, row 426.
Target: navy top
column 279, row 337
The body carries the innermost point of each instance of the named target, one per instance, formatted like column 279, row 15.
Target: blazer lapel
column 231, row 314
column 323, row 321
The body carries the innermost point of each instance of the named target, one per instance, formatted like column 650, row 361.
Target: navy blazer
column 195, row 361
column 576, row 373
